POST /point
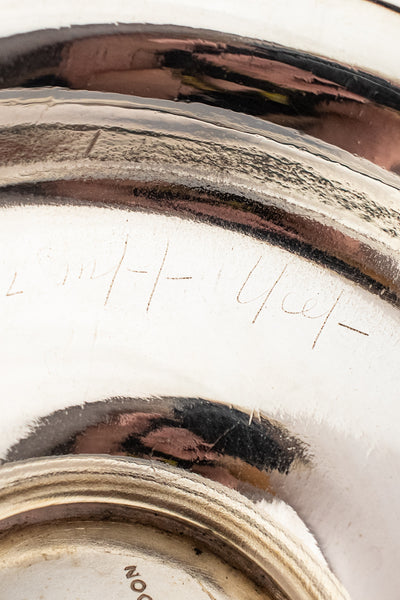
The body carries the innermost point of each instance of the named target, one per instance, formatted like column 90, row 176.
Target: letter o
column 137, row 585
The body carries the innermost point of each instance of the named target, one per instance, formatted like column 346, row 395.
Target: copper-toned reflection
column 355, row 111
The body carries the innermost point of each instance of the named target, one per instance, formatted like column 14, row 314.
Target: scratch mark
column 353, row 329
column 134, row 271
column 84, row 267
column 245, row 283
column 304, row 310
column 66, row 276
column 326, row 320
column 9, row 292
column 206, row 591
column 269, row 293
column 158, row 277
column 93, row 276
column 251, row 416
column 283, row 305
column 92, row 143
column 234, row 426
column 117, row 271
column 178, row 278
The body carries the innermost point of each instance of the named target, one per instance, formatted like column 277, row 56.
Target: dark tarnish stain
column 218, row 441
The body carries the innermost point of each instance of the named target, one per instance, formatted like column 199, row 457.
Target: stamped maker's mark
column 137, row 585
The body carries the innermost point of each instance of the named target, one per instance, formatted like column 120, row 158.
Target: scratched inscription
column 272, row 286
column 138, row 585
column 156, row 275
column 306, row 310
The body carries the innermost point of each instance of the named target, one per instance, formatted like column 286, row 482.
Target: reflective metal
column 248, row 548
column 349, row 108
column 123, row 292
column 215, row 291
column 196, row 163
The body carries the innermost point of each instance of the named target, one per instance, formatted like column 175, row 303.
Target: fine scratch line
column 9, row 292
column 239, row 294
column 269, row 294
column 326, row 320
column 353, row 329
column 92, row 143
column 116, row 271
column 93, row 276
column 158, row 276
column 206, row 591
column 223, row 435
column 66, row 276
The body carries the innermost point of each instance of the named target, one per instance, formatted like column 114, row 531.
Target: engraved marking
column 245, row 283
column 117, row 271
column 353, row 329
column 326, row 320
column 206, row 591
column 134, row 271
column 92, row 143
column 304, row 310
column 66, row 276
column 84, row 268
column 158, row 276
column 93, row 276
column 178, row 278
column 131, row 572
column 266, row 294
column 9, row 292
column 223, row 435
column 137, row 585
column 269, row 294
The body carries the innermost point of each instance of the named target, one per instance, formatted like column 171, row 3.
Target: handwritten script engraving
column 265, row 295
column 11, row 291
column 306, row 309
column 114, row 277
column 264, row 288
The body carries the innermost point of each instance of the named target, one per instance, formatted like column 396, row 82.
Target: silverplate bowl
column 200, row 275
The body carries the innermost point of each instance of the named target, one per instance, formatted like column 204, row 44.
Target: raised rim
column 268, row 181
column 41, row 484
column 325, row 29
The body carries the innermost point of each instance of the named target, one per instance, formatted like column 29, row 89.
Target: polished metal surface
column 351, row 109
column 132, row 492
column 199, row 280
column 199, row 164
